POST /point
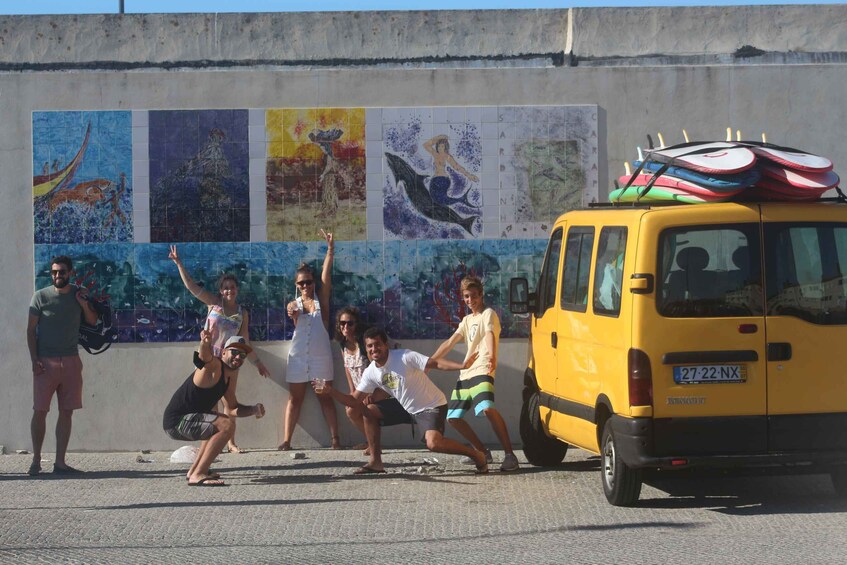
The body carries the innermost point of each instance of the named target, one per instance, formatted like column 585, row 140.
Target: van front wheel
column 540, row 449
column 621, row 484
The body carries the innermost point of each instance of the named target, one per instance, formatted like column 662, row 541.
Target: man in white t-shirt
column 401, row 373
column 475, row 388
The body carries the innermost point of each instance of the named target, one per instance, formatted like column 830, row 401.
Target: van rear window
column 710, row 271
column 805, row 265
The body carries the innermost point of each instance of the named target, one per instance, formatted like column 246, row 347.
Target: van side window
column 608, row 270
column 577, row 269
column 710, row 271
column 805, row 271
column 550, row 273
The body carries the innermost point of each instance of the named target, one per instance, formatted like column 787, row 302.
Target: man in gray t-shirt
column 52, row 334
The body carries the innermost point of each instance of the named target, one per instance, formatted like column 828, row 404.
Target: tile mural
column 81, row 163
column 315, row 173
column 199, row 184
column 416, row 197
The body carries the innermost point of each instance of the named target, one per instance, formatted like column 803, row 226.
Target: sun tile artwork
column 416, row 197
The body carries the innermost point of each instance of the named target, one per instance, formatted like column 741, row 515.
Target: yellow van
column 675, row 336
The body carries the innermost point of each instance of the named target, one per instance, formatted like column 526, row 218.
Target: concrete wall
column 647, row 70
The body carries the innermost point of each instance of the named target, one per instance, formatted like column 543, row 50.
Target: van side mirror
column 521, row 300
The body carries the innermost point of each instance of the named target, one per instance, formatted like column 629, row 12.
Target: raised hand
column 328, row 237
column 173, row 255
column 82, row 296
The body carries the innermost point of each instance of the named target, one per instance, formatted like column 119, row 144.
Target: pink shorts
column 62, row 375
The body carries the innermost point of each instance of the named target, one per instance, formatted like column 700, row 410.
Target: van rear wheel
column 621, row 483
column 540, row 449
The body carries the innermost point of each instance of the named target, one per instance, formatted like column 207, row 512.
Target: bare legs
column 296, row 394
column 435, row 441
column 211, row 448
column 440, row 444
column 63, row 436
column 467, row 432
column 497, row 424
column 331, row 417
column 38, row 429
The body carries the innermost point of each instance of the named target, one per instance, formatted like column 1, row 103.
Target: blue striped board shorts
column 475, row 392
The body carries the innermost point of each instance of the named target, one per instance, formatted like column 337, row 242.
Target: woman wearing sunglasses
column 310, row 356
column 225, row 317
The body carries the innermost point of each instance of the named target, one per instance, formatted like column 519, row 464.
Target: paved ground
column 312, row 510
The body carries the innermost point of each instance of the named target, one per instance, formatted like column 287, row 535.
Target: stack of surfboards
column 720, row 171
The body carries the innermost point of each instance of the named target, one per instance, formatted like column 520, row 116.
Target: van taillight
column 640, row 378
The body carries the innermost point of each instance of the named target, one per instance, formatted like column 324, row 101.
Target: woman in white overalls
column 310, row 356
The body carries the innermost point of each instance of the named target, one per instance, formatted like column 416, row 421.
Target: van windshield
column 805, row 265
column 710, row 271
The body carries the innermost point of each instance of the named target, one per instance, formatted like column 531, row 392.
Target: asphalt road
column 277, row 509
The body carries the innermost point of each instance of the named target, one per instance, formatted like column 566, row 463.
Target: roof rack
column 665, row 203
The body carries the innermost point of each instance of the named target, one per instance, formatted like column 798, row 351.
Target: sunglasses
column 305, row 283
column 344, row 323
column 61, row 272
column 237, row 353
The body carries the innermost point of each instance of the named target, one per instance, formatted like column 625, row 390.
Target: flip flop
column 365, row 470
column 284, row 446
column 68, row 470
column 34, row 469
column 211, row 476
column 208, row 482
column 481, row 470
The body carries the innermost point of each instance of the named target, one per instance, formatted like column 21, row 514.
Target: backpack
column 97, row 338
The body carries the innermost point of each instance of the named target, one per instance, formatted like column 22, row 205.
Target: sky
column 206, row 6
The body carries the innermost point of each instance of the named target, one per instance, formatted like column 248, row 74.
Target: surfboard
column 681, row 184
column 712, row 157
column 660, row 194
column 784, row 190
column 791, row 158
column 798, row 178
column 716, row 182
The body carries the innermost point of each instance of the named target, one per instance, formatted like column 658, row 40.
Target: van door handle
column 779, row 351
column 554, row 340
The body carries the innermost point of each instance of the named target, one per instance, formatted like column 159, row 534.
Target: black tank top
column 191, row 399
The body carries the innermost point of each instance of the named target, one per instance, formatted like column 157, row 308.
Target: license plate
column 700, row 374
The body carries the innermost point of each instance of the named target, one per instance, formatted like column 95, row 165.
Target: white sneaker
column 510, row 463
column 488, row 459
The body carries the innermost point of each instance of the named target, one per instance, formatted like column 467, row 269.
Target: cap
column 238, row 342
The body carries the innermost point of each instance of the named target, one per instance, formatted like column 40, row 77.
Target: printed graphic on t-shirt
column 474, row 329
column 391, row 380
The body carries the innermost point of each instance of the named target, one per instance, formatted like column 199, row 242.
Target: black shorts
column 392, row 413
column 431, row 419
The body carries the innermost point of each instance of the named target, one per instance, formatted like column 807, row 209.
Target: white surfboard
column 794, row 160
column 798, row 178
column 715, row 157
